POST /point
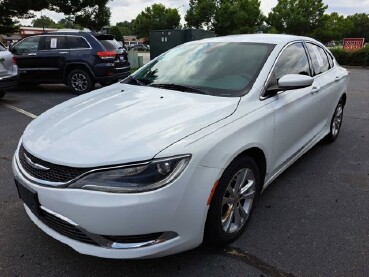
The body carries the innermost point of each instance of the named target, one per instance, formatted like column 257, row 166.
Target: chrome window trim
column 261, row 97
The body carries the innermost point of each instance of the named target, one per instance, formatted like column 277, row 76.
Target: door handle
column 63, row 52
column 32, row 54
column 338, row 78
column 315, row 90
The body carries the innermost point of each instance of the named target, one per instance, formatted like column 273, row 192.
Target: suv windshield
column 220, row 68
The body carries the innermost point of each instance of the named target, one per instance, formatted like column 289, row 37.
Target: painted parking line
column 20, row 110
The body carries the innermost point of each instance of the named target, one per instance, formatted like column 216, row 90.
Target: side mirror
column 289, row 82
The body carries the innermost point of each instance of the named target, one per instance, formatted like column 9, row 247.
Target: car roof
column 260, row 38
column 68, row 33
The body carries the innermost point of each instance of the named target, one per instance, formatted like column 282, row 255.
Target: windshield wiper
column 179, row 87
column 138, row 82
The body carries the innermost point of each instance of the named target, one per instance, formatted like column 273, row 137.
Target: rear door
column 52, row 58
column 326, row 74
column 26, row 52
column 6, row 62
column 297, row 116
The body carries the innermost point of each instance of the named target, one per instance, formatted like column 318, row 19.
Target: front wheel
column 233, row 201
column 336, row 123
column 80, row 81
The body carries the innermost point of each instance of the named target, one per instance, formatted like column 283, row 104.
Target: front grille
column 56, row 173
column 64, row 228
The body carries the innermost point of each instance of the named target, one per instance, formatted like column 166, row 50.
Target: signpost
column 352, row 44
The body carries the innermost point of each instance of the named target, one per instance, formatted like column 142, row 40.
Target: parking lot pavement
column 313, row 220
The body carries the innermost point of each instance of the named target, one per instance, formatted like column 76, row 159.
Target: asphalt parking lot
column 312, row 221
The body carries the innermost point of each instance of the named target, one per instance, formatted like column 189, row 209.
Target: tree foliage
column 126, row 28
column 115, row 31
column 44, row 21
column 298, row 17
column 333, row 27
column 225, row 16
column 96, row 10
column 360, row 26
column 156, row 17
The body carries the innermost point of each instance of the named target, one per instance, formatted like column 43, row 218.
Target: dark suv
column 77, row 59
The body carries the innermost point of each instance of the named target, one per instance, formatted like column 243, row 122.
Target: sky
column 122, row 10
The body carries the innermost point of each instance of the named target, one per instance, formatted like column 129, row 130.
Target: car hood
column 120, row 124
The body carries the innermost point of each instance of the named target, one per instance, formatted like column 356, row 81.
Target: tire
column 221, row 226
column 80, row 81
column 2, row 94
column 336, row 123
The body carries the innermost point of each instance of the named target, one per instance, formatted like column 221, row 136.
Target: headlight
column 137, row 178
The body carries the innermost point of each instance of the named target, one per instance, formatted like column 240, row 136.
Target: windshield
column 221, row 68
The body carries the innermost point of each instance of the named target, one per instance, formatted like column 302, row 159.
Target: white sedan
column 178, row 153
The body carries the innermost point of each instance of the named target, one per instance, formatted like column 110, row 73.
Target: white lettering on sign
column 53, row 43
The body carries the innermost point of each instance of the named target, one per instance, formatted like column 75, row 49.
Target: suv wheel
column 233, row 201
column 80, row 81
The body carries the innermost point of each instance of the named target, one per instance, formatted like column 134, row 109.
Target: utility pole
column 43, row 23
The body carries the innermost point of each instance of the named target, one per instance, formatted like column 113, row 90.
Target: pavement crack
column 247, row 258
column 5, row 158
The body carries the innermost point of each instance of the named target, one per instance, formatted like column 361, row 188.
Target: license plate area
column 29, row 197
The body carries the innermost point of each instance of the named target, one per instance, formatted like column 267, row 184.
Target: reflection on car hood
column 121, row 123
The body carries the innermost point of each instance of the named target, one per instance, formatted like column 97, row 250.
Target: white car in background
column 178, row 153
column 8, row 71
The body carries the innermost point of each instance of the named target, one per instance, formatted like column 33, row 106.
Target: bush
column 355, row 58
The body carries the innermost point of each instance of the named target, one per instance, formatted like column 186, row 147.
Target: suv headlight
column 135, row 178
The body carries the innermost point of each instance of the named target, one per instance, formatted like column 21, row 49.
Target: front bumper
column 178, row 211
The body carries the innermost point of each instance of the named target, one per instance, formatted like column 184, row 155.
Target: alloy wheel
column 337, row 120
column 79, row 82
column 238, row 200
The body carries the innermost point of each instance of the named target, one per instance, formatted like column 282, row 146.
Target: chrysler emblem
column 35, row 165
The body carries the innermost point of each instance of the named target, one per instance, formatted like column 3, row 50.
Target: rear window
column 77, row 42
column 111, row 44
column 2, row 48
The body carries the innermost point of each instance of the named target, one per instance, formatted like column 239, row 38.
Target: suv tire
column 80, row 81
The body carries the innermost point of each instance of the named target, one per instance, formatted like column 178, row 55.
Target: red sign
column 353, row 43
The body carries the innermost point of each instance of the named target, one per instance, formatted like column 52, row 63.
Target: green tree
column 44, row 21
column 298, row 17
column 201, row 13
column 156, row 17
column 12, row 9
column 238, row 17
column 333, row 27
column 360, row 28
column 94, row 18
column 126, row 27
column 225, row 16
column 115, row 31
column 68, row 22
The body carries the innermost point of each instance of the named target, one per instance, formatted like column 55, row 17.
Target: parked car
column 178, row 153
column 8, row 71
column 140, row 47
column 77, row 59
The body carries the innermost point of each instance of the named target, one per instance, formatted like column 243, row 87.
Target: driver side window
column 292, row 61
column 28, row 45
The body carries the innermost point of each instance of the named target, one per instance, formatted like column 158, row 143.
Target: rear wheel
column 336, row 122
column 233, row 202
column 80, row 81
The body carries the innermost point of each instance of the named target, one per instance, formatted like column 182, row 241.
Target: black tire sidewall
column 330, row 137
column 90, row 82
column 2, row 94
column 214, row 233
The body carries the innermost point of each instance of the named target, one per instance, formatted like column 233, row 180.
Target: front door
column 297, row 112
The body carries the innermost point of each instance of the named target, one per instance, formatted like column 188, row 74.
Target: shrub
column 356, row 58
